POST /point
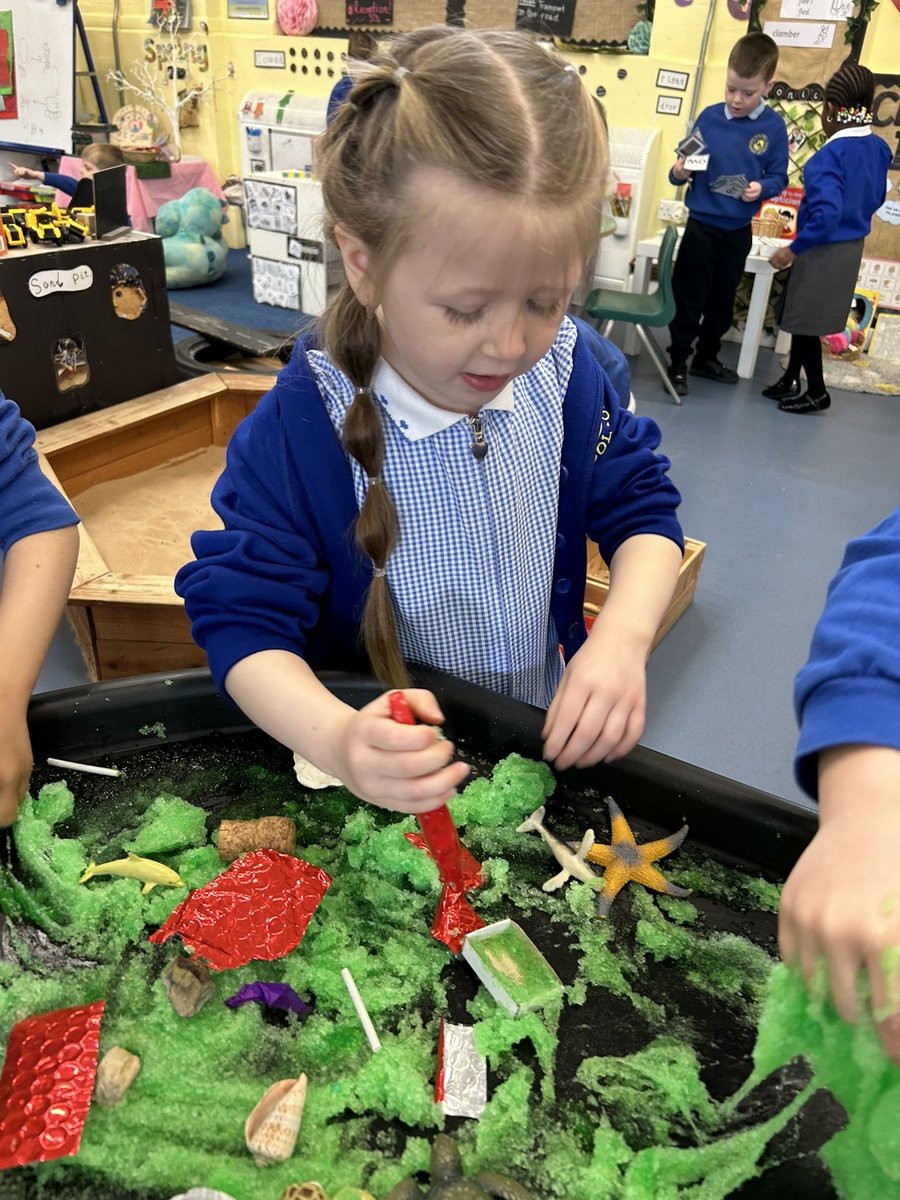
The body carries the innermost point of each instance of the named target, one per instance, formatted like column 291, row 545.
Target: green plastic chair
column 641, row 310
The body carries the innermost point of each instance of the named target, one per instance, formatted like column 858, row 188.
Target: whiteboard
column 43, row 37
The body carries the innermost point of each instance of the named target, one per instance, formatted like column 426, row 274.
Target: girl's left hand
column 783, row 257
column 598, row 713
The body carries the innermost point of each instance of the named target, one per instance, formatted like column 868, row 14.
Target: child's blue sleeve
column 611, row 359
column 62, row 183
column 29, row 503
column 824, row 182
column 775, row 174
column 849, row 691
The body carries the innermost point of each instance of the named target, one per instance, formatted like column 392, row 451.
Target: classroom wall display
column 812, row 47
column 74, row 354
column 36, row 74
column 589, row 22
column 884, row 240
column 383, row 15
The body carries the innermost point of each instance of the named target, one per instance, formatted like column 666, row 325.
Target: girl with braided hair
column 845, row 182
column 424, row 473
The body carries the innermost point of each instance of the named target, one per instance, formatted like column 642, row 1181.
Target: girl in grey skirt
column 845, row 183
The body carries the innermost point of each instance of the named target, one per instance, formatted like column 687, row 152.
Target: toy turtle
column 449, row 1183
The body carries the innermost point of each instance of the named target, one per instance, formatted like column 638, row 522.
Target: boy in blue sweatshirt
column 841, row 904
column 745, row 141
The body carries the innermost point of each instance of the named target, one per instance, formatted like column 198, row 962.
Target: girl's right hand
column 407, row 768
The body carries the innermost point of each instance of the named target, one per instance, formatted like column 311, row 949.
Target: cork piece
column 189, row 985
column 267, row 833
column 115, row 1075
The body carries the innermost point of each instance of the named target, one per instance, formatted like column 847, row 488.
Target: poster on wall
column 271, row 206
column 8, row 106
column 554, row 18
column 592, row 22
column 248, row 10
column 384, row 15
column 811, row 48
column 370, row 12
column 884, row 240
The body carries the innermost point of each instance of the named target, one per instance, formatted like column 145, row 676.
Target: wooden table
column 757, row 263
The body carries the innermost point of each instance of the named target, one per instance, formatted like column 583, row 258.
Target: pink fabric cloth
column 145, row 197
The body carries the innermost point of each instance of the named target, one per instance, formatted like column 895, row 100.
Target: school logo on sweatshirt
column 759, row 143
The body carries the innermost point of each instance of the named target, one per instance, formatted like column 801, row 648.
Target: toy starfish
column 627, row 862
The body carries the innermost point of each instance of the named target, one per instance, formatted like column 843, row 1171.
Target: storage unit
column 633, row 155
column 278, row 131
column 293, row 266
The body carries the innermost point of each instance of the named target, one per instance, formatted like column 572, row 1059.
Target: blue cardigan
column 755, row 147
column 285, row 572
column 29, row 503
column 844, row 182
column 849, row 690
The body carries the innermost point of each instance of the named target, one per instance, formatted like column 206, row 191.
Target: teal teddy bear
column 191, row 232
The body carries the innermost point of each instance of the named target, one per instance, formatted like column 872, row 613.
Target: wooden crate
column 132, row 624
column 597, row 586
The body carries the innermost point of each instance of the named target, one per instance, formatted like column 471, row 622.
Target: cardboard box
column 130, row 623
column 597, row 586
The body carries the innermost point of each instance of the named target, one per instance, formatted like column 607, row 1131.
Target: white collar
column 413, row 415
column 757, row 112
column 852, row 131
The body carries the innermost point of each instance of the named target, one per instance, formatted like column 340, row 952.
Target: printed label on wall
column 554, row 17
column 72, row 279
column 816, row 10
column 810, row 34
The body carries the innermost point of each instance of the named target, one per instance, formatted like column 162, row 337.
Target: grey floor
column 776, row 498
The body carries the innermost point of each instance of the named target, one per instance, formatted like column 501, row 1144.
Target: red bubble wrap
column 258, row 908
column 458, row 870
column 46, row 1085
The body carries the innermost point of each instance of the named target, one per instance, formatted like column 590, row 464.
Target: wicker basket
column 768, row 226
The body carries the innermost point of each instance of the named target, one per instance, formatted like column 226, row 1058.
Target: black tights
column 806, row 352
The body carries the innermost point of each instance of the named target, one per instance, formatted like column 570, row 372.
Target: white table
column 647, row 251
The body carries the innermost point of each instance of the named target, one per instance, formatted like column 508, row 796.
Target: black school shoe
column 784, row 388
column 713, row 369
column 806, row 404
column 678, row 378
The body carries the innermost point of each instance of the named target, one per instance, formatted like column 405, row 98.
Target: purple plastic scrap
column 272, row 995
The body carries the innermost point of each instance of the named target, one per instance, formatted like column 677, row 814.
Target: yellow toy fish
column 135, row 867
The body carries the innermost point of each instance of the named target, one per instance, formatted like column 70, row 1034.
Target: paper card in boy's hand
column 730, row 185
column 692, row 144
column 696, row 162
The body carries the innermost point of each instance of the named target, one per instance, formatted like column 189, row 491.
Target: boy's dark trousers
column 707, row 272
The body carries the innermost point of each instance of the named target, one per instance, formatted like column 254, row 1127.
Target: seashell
column 304, row 1191
column 311, row 776
column 271, row 1129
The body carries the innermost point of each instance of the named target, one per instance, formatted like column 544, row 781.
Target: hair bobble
column 399, row 73
column 379, row 573
column 857, row 115
column 373, row 479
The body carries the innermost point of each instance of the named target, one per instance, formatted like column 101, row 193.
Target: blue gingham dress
column 472, row 575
